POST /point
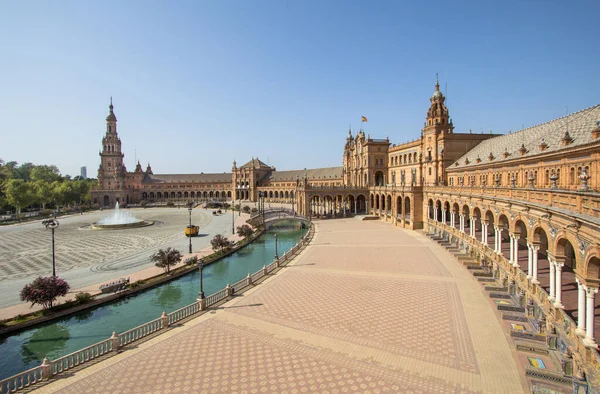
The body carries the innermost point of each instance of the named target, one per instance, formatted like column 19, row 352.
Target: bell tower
column 111, row 172
column 438, row 126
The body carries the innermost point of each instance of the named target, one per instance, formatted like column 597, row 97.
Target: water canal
column 28, row 348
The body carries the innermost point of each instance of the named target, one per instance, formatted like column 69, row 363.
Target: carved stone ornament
column 552, row 232
column 583, row 244
column 497, row 211
column 512, row 216
column 531, row 222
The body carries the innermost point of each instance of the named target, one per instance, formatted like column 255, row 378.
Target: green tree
column 43, row 192
column 23, row 171
column 246, row 209
column 165, row 258
column 244, row 231
column 18, row 193
column 44, row 291
column 45, row 173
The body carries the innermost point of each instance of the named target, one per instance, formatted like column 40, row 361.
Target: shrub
column 244, row 231
column 19, row 318
column 170, row 204
column 220, row 243
column 44, row 291
column 246, row 209
column 83, row 298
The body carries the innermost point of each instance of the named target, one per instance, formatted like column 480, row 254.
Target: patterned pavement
column 400, row 316
column 85, row 256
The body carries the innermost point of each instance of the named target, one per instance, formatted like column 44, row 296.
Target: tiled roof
column 182, row 178
column 255, row 163
column 311, row 174
column 579, row 124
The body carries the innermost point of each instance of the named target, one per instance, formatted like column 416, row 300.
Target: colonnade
column 586, row 302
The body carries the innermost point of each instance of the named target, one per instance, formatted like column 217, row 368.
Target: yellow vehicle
column 191, row 231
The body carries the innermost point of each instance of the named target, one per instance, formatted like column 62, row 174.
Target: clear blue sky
column 197, row 84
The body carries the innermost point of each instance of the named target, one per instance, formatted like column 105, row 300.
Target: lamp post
column 52, row 224
column 201, row 267
column 276, row 254
column 233, row 218
column 190, row 228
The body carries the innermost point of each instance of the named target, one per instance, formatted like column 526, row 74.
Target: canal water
column 28, row 348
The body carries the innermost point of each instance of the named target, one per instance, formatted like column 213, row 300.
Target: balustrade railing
column 32, row 376
column 184, row 312
column 21, row 381
column 536, row 292
column 81, row 356
column 139, row 332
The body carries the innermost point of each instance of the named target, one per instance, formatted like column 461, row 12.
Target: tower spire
column 437, row 83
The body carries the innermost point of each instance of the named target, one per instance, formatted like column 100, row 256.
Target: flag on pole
column 364, row 119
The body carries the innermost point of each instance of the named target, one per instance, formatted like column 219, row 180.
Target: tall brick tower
column 438, row 126
column 111, row 173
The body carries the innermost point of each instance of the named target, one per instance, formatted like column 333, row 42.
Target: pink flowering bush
column 44, row 291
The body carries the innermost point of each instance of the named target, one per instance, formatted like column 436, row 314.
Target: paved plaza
column 87, row 257
column 366, row 308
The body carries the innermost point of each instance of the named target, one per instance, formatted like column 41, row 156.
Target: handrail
column 216, row 297
column 81, row 356
column 139, row 332
column 182, row 313
column 21, row 380
column 25, row 379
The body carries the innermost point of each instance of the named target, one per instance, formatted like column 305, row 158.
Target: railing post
column 201, row 303
column 164, row 320
column 228, row 290
column 249, row 279
column 46, row 369
column 277, row 262
column 265, row 273
column 114, row 342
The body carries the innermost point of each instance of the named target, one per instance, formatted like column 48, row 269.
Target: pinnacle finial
column 437, row 82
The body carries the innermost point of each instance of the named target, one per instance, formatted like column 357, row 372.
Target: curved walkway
column 366, row 308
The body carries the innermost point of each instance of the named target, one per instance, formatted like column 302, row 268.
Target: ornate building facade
column 526, row 203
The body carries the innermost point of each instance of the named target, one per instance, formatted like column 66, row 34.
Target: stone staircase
column 549, row 370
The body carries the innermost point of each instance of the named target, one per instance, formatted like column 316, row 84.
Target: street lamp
column 52, row 224
column 233, row 218
column 201, row 267
column 190, row 228
column 276, row 254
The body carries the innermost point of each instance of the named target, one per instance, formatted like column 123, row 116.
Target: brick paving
column 366, row 308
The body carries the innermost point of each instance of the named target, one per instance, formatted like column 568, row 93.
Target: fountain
column 120, row 219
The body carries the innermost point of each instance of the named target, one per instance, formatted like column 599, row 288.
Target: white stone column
column 589, row 324
column 515, row 250
column 428, row 212
column 355, row 206
column 444, row 216
column 472, row 227
column 558, row 303
column 535, row 250
column 435, row 213
column 461, row 222
column 529, row 261
column 580, row 330
column 484, row 233
column 551, row 279
column 452, row 219
column 511, row 254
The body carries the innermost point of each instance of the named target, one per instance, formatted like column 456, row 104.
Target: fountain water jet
column 120, row 219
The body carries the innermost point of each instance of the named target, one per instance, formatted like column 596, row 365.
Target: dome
column 437, row 94
column 111, row 115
